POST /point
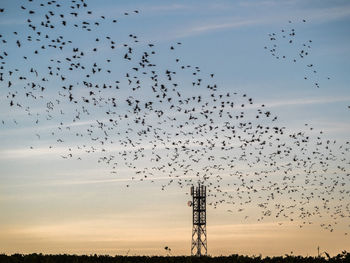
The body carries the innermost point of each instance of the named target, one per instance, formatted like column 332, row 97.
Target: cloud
column 328, row 14
column 213, row 27
column 61, row 150
column 116, row 180
column 308, row 101
column 209, row 27
column 171, row 7
column 320, row 15
column 27, row 153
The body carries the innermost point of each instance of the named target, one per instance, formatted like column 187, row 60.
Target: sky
column 51, row 204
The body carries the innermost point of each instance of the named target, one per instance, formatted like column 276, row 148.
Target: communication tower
column 199, row 220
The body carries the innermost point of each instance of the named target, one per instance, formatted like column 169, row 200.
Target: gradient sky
column 52, row 205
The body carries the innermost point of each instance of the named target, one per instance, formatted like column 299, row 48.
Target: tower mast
column 199, row 221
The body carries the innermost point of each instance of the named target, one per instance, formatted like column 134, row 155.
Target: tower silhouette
column 199, row 220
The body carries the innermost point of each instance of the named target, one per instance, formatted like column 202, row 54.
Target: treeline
column 40, row 258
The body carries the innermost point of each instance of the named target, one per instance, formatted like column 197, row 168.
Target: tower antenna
column 199, row 220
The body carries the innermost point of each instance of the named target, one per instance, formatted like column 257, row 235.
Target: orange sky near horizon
column 156, row 225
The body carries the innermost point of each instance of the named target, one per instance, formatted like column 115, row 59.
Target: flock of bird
column 168, row 123
column 286, row 40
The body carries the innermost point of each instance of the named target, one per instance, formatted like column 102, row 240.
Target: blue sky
column 46, row 198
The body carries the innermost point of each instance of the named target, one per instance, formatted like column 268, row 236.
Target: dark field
column 343, row 257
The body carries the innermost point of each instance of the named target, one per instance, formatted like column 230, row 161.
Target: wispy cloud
column 213, row 27
column 31, row 153
column 171, row 7
column 210, row 26
column 308, row 101
column 327, row 14
column 320, row 15
column 45, row 151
